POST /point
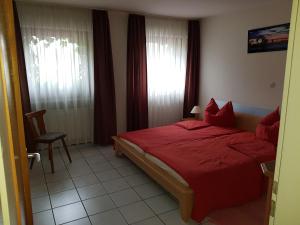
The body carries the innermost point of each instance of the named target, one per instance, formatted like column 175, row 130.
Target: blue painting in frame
column 268, row 39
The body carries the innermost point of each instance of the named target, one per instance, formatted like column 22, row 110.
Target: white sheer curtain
column 58, row 49
column 166, row 42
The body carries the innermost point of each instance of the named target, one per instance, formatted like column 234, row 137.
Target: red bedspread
column 159, row 136
column 220, row 165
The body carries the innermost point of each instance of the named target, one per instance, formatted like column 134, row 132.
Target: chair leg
column 33, row 149
column 51, row 157
column 31, row 163
column 66, row 149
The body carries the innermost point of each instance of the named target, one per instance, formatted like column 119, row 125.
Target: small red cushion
column 224, row 117
column 271, row 118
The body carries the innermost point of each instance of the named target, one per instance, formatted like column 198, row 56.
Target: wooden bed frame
column 184, row 194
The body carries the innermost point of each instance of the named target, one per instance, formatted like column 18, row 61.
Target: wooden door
column 286, row 191
column 14, row 188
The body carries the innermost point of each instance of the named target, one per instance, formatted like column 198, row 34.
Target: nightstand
column 268, row 169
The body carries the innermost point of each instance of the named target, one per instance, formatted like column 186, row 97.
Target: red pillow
column 268, row 133
column 212, row 107
column 271, row 118
column 224, row 117
column 268, row 128
column 192, row 124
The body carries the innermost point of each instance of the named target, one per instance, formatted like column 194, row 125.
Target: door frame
column 287, row 82
column 9, row 32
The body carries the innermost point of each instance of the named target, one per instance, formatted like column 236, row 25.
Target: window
column 59, row 71
column 59, row 62
column 166, row 42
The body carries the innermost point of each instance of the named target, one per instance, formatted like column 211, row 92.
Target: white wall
column 228, row 72
column 118, row 30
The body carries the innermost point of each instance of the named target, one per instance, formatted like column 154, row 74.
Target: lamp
column 196, row 110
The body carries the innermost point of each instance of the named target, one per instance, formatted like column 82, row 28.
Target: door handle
column 36, row 156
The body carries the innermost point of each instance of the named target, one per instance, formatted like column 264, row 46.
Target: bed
column 206, row 168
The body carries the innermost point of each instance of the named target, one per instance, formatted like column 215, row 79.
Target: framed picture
column 268, row 39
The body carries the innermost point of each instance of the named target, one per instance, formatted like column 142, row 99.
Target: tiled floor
column 99, row 189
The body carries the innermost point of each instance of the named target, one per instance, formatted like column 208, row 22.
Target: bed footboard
column 182, row 193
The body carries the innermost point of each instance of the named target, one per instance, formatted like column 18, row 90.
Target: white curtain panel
column 58, row 49
column 166, row 42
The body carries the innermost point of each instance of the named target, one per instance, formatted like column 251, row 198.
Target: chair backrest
column 38, row 118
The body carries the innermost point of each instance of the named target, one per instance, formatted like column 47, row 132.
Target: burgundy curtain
column 26, row 107
column 192, row 68
column 104, row 89
column 137, row 97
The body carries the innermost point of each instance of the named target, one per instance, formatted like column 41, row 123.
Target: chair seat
column 50, row 137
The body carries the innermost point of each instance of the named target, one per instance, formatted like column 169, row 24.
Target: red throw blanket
column 218, row 164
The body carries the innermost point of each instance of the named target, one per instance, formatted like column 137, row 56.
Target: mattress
column 157, row 162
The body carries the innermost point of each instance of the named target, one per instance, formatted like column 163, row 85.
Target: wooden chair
column 41, row 136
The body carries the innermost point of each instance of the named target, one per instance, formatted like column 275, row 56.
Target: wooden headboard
column 247, row 117
column 246, row 121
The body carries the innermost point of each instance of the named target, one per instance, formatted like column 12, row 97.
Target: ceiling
column 171, row 8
